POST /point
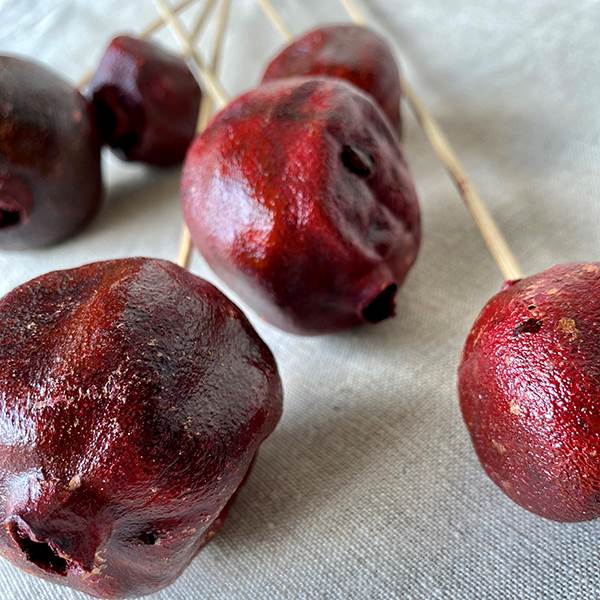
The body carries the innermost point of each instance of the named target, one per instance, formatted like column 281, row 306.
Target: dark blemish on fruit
column 9, row 218
column 293, row 108
column 15, row 201
column 382, row 306
column 358, row 162
column 38, row 553
column 531, row 307
column 148, row 537
column 530, row 326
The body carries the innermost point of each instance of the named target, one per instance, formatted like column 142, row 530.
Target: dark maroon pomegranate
column 350, row 52
column 146, row 102
column 529, row 385
column 299, row 197
column 133, row 399
column 50, row 180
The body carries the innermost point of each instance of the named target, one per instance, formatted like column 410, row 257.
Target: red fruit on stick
column 50, row 179
column 529, row 386
column 146, row 102
column 133, row 398
column 350, row 52
column 299, row 198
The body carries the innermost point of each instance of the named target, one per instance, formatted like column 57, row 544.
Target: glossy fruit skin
column 146, row 102
column 299, row 198
column 529, row 386
column 50, row 179
column 133, row 399
column 350, row 52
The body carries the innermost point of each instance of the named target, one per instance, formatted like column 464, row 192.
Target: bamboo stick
column 185, row 245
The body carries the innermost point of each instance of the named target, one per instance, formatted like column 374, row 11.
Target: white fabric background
column 369, row 487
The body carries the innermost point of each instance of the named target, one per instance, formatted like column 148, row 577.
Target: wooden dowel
column 354, row 12
column 491, row 234
column 210, row 84
column 185, row 244
column 184, row 256
column 269, row 10
column 201, row 21
column 215, row 59
column 145, row 33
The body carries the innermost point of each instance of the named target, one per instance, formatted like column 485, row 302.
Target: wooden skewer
column 495, row 241
column 353, row 12
column 210, row 84
column 489, row 230
column 154, row 26
column 201, row 21
column 185, row 245
column 215, row 59
column 279, row 24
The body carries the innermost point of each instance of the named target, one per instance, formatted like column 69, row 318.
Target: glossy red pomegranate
column 50, row 180
column 348, row 52
column 146, row 102
column 529, row 386
column 133, row 399
column 299, row 197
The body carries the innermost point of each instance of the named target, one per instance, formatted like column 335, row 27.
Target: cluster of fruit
column 134, row 395
column 142, row 102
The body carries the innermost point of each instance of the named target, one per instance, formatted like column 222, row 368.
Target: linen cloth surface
column 369, row 487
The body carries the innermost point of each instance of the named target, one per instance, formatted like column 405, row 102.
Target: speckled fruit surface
column 50, row 180
column 146, row 102
column 299, row 197
column 133, row 398
column 348, row 52
column 529, row 385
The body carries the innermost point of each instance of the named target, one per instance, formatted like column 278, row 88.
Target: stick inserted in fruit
column 299, row 198
column 206, row 109
column 529, row 378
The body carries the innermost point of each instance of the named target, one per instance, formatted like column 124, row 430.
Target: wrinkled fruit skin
column 50, row 180
column 529, row 386
column 350, row 52
column 299, row 198
column 146, row 102
column 133, row 399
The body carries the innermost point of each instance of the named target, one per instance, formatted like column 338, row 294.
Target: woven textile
column 369, row 487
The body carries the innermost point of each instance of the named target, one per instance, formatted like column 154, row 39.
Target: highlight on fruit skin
column 529, row 387
column 146, row 102
column 349, row 52
column 50, row 179
column 299, row 198
column 133, row 399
